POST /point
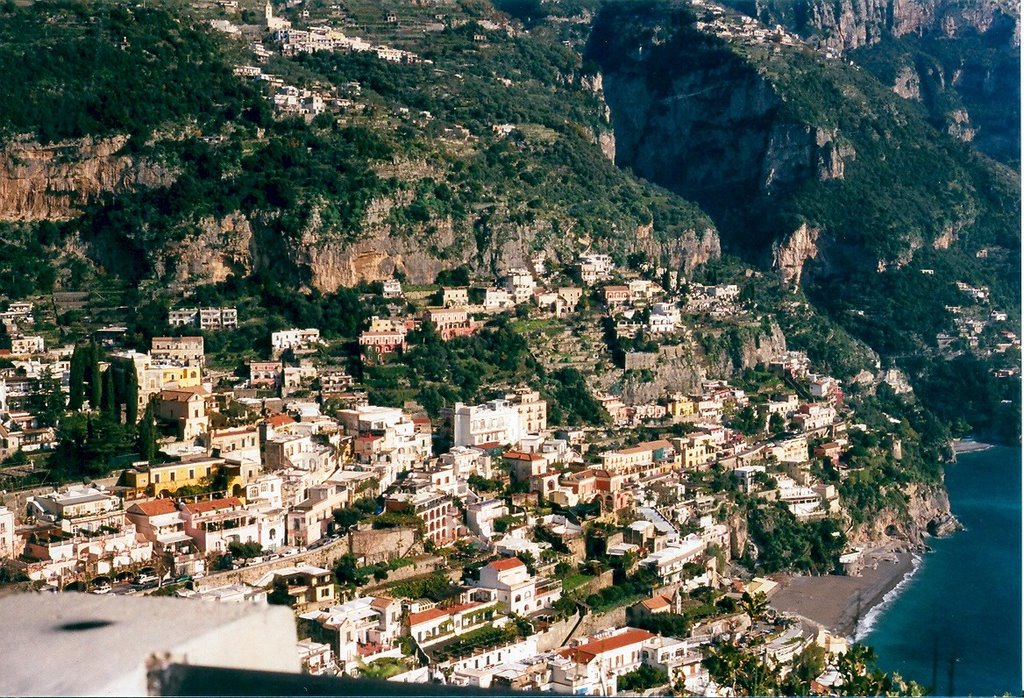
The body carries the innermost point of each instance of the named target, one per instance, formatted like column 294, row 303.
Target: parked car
column 103, row 588
column 147, row 580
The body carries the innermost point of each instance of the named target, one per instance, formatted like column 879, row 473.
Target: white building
column 294, row 339
column 494, row 422
column 519, row 591
column 664, row 318
column 668, row 563
column 520, row 283
column 594, row 267
column 6, row 533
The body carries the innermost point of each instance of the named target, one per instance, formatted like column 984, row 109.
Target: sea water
column 955, row 625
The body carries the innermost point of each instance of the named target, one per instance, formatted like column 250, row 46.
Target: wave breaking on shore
column 867, row 623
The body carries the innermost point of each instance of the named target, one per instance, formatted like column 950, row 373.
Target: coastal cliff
column 926, row 512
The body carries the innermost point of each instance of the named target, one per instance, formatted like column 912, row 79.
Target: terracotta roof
column 584, row 654
column 279, row 420
column 655, row 603
column 426, row 616
column 647, row 446
column 381, row 602
column 508, row 563
column 156, row 507
column 522, row 455
column 213, row 505
column 182, row 394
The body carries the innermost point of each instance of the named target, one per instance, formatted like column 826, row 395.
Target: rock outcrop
column 51, row 182
column 927, row 513
column 55, row 182
column 790, row 255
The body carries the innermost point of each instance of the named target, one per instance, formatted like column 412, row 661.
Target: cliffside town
column 506, row 543
column 511, row 345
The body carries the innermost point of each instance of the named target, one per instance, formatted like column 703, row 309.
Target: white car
column 102, row 589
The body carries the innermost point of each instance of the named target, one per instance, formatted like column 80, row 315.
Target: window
column 156, row 478
column 172, row 475
column 191, row 474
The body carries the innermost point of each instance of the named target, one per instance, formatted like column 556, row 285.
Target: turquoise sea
column 956, row 624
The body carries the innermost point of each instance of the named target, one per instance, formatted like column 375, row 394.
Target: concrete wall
column 553, row 636
column 636, row 360
column 391, row 544
column 601, row 581
column 383, row 545
column 426, row 565
column 593, row 622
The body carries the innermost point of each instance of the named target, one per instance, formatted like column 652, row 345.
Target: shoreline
column 848, row 606
column 961, row 446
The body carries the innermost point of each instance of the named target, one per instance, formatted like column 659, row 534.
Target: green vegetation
column 677, row 624
column 441, row 373
column 360, row 510
column 246, row 550
column 99, row 69
column 642, row 678
column 785, row 543
column 744, row 672
column 934, row 59
column 481, row 638
column 436, row 587
column 623, row 593
column 383, row 669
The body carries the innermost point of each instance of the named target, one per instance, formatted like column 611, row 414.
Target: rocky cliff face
column 927, row 513
column 790, row 255
column 51, row 182
column 848, row 24
column 716, row 133
column 959, row 59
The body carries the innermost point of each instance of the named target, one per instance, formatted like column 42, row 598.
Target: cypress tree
column 131, row 398
column 95, row 378
column 147, row 434
column 109, row 401
column 77, row 379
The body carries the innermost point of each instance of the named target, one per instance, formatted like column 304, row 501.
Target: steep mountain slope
column 810, row 164
column 785, row 147
column 959, row 60
column 484, row 155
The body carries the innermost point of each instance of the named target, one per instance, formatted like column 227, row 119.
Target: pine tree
column 95, row 378
column 147, row 434
column 109, row 399
column 131, row 398
column 77, row 379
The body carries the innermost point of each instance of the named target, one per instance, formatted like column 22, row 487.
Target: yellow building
column 697, row 451
column 180, row 376
column 680, row 406
column 166, row 478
